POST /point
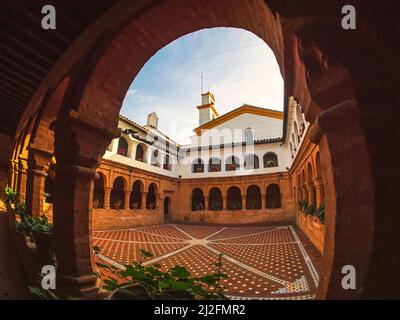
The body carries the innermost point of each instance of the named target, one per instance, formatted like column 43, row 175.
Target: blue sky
column 237, row 66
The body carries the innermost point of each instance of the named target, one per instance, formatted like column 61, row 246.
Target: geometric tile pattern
column 262, row 262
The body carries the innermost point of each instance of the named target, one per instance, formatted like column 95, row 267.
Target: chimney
column 152, row 120
column 207, row 110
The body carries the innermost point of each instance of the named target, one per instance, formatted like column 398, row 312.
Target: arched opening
column 98, row 190
column 122, row 147
column 215, row 199
column 167, row 164
column 214, row 164
column 232, row 163
column 253, row 198
column 270, row 160
column 167, row 209
column 234, row 199
column 197, row 199
column 151, row 198
column 117, row 197
column 251, row 162
column 140, row 153
column 273, row 196
column 197, row 166
column 136, row 195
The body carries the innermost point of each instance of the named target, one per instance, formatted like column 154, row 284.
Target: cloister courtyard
column 261, row 262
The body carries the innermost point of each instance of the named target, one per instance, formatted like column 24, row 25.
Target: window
column 214, row 165
column 251, row 162
column 198, row 166
column 155, row 158
column 167, row 165
column 270, row 159
column 140, row 153
column 232, row 163
column 122, row 147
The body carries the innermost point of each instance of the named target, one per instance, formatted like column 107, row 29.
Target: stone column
column 127, row 197
column 107, row 195
column 37, row 165
column 78, row 148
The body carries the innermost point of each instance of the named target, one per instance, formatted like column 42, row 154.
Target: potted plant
column 140, row 282
column 117, row 204
column 43, row 236
column 320, row 214
column 96, row 203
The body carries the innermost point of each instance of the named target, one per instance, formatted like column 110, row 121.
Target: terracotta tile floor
column 262, row 262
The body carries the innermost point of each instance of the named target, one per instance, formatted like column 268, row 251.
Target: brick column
column 190, row 202
column 310, row 196
column 319, row 188
column 78, row 148
column 206, row 202
column 144, row 197
column 37, row 165
column 13, row 174
column 263, row 200
column 22, row 174
column 224, row 202
column 158, row 201
column 243, row 202
column 127, row 197
column 107, row 195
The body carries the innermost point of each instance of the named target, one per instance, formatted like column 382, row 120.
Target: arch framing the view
column 110, row 68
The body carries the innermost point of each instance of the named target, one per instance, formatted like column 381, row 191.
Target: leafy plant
column 138, row 281
column 303, row 204
column 216, row 206
column 310, row 209
column 13, row 200
column 320, row 214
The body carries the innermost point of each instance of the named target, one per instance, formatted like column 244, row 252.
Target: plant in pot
column 320, row 213
column 140, row 282
column 40, row 231
column 96, row 203
column 117, row 204
column 302, row 205
column 135, row 205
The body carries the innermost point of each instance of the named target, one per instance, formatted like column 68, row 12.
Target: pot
column 44, row 242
